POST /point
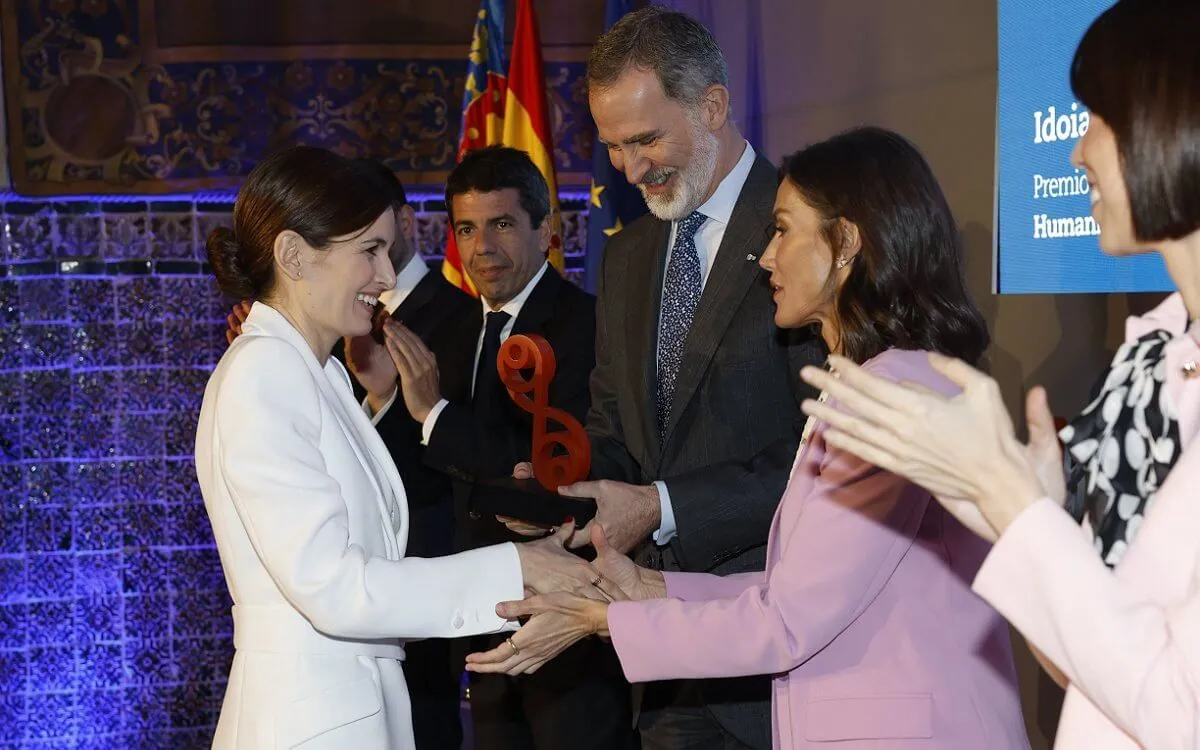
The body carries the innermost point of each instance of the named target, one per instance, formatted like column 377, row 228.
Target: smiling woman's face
column 1097, row 154
column 341, row 283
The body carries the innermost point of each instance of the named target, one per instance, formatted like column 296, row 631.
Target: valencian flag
column 613, row 202
column 527, row 112
column 483, row 109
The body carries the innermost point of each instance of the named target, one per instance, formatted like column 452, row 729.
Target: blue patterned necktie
column 681, row 294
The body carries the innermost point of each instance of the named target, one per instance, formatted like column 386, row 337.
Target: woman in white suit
column 307, row 508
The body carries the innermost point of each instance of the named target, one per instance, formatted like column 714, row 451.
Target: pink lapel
column 800, row 483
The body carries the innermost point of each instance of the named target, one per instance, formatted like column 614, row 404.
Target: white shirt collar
column 406, row 281
column 514, row 305
column 719, row 206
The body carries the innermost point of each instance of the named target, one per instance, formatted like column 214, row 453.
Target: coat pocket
column 321, row 714
column 891, row 717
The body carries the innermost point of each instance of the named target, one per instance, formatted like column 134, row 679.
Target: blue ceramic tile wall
column 109, row 326
column 114, row 619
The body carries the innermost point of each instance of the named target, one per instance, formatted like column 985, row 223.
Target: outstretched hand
column 558, row 621
column 629, row 513
column 547, row 566
column 633, row 581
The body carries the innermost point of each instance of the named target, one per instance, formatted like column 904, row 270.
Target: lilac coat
column 864, row 614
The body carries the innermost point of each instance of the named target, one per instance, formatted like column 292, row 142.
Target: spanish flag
column 527, row 113
column 483, row 113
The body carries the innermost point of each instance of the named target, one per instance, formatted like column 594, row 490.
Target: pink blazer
column 864, row 614
column 1128, row 640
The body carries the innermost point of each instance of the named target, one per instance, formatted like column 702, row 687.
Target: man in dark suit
column 424, row 302
column 695, row 416
column 499, row 208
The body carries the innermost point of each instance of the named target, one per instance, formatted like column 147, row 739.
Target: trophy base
column 526, row 500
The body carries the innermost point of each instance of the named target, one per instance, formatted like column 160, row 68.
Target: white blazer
column 311, row 522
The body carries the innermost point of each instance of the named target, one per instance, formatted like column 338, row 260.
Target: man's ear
column 714, row 107
column 546, row 233
column 288, row 251
column 406, row 221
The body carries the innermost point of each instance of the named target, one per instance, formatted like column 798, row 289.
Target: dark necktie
column 681, row 294
column 488, row 389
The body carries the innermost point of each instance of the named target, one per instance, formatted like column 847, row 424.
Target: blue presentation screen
column 1047, row 240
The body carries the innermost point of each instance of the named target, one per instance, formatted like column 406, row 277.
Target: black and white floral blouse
column 1123, row 445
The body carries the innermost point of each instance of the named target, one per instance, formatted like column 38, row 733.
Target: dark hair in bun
column 310, row 191
column 225, row 259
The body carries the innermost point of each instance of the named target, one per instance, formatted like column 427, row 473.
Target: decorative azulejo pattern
column 189, row 126
column 114, row 620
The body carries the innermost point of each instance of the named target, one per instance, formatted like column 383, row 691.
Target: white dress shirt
column 513, row 308
column 718, row 209
column 406, row 282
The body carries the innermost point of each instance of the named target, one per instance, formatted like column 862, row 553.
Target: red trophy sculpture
column 560, row 455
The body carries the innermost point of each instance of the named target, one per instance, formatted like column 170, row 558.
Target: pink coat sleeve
column 703, row 586
column 856, row 525
column 1137, row 661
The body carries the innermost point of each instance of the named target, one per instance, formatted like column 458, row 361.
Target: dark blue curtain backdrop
column 114, row 620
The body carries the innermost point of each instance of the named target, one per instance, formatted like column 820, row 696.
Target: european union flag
column 613, row 202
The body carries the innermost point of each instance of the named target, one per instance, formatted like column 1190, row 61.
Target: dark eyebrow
column 643, row 136
column 503, row 217
column 373, row 241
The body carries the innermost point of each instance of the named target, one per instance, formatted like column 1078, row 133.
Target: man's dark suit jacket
column 735, row 421
column 429, row 667
column 584, row 681
column 465, row 447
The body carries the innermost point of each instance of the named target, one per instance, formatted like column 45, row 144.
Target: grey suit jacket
column 735, row 421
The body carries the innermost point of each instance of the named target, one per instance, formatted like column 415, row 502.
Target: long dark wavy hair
column 906, row 288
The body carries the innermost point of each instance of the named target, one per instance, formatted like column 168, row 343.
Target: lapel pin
column 751, row 257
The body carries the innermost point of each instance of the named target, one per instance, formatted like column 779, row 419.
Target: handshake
column 567, row 599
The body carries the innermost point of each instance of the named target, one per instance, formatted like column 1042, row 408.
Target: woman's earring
column 841, row 262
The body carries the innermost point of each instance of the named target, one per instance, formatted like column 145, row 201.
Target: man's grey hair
column 677, row 47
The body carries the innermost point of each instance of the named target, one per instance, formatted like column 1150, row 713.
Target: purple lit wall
column 114, row 620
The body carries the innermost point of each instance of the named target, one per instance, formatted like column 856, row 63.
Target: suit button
column 473, row 515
